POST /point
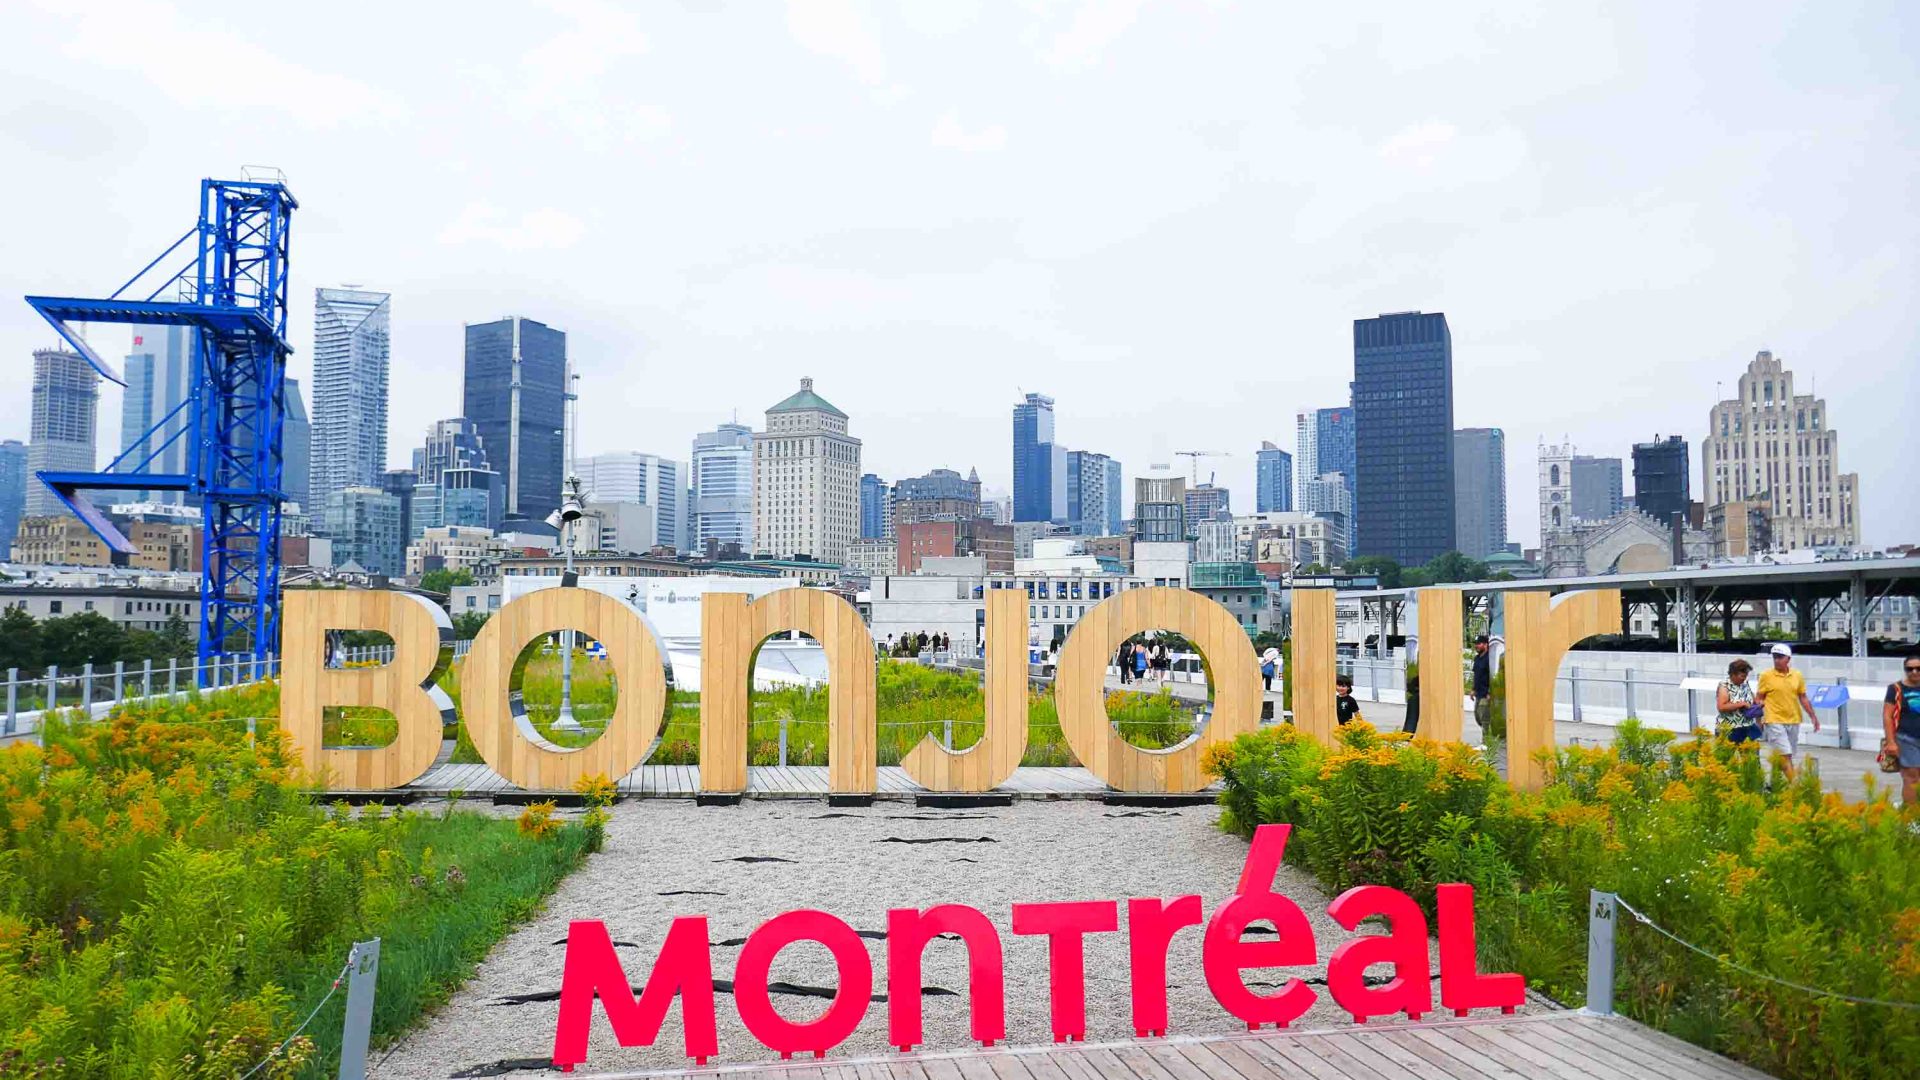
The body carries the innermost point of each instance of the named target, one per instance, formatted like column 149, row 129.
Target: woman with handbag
column 1901, row 749
column 1739, row 719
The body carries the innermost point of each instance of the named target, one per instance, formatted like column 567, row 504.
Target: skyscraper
column 723, row 487
column 401, row 484
column 1480, row 491
column 1205, row 502
column 515, row 390
column 1771, row 446
column 1599, row 491
column 1403, row 436
column 1039, row 464
column 13, row 492
column 454, row 443
column 1660, row 478
column 1334, row 445
column 364, row 523
column 296, row 448
column 1306, row 446
column 1272, row 479
column 1159, row 509
column 66, row 403
column 629, row 476
column 876, row 495
column 1093, row 494
column 806, row 479
column 940, row 495
column 159, row 371
column 350, row 360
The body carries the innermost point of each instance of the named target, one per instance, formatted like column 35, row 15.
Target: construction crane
column 233, row 294
column 1195, row 455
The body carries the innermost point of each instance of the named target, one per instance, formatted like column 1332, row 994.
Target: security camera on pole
column 571, row 508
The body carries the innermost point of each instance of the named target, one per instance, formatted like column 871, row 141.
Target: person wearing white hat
column 1783, row 694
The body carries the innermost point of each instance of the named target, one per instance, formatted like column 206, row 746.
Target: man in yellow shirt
column 1783, row 692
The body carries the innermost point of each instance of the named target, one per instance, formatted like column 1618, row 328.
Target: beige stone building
column 59, row 540
column 1779, row 449
column 806, row 480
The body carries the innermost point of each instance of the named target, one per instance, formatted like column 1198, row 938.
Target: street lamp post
column 569, row 513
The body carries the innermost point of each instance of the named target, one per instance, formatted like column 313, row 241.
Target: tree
column 467, row 624
column 1451, row 567
column 1390, row 573
column 84, row 638
column 176, row 639
column 1312, row 569
column 20, row 644
column 443, row 580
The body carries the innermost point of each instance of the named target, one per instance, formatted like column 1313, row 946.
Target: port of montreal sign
column 1539, row 630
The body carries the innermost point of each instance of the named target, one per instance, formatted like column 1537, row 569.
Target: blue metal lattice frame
column 235, row 411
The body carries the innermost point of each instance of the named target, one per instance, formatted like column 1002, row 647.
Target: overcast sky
column 1164, row 215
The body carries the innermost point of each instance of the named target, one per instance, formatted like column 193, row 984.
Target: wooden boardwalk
column 1556, row 1045
column 763, row 782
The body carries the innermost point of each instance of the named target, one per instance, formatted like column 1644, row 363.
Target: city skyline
column 1691, row 248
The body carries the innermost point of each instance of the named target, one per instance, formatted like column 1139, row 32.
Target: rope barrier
column 1744, row 970
column 352, row 954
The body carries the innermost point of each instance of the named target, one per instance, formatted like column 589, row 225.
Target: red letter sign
column 850, row 1003
column 592, row 969
column 1151, row 924
column 1462, row 987
column 1065, row 924
column 1404, row 946
column 908, row 932
column 1225, row 955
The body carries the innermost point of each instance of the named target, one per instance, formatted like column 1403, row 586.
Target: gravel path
column 668, row 857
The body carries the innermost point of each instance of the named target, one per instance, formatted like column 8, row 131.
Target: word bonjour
column 1539, row 631
column 684, row 966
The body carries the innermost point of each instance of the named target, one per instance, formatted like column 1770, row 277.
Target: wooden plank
column 1235, row 1057
column 1291, row 1056
column 1529, row 1054
column 1313, row 663
column 1436, row 1062
column 1441, row 680
column 1446, row 1041
column 1620, row 1047
column 1138, row 1058
column 1369, row 1053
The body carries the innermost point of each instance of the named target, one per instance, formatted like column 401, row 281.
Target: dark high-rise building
column 1403, row 436
column 1272, row 480
column 1480, row 491
column 940, row 495
column 296, row 449
column 1334, row 446
column 875, row 495
column 153, row 425
column 400, row 483
column 1039, row 464
column 13, row 492
column 1660, row 478
column 1205, row 502
column 515, row 392
column 1598, row 491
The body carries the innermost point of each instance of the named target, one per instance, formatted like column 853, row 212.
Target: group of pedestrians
column 1139, row 663
column 915, row 644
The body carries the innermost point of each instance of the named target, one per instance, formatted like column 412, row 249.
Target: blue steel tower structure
column 237, row 284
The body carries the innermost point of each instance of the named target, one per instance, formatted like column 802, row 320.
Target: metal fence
column 98, row 689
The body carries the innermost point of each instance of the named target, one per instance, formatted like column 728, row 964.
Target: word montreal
column 732, row 628
column 684, row 966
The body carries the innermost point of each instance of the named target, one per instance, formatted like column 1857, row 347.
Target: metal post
column 251, row 729
column 783, row 740
column 86, row 688
column 146, row 677
column 13, row 696
column 1693, row 706
column 1846, row 736
column 363, row 971
column 173, row 675
column 1600, row 920
column 1630, row 709
column 53, row 687
column 1573, row 680
column 946, row 738
column 119, row 679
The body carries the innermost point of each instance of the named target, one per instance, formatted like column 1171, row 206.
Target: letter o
column 509, row 743
column 1080, row 691
column 850, row 999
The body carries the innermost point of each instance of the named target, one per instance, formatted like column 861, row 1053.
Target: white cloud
column 1418, row 146
column 484, row 223
column 837, row 28
column 949, row 135
column 156, row 41
column 599, row 34
column 1096, row 25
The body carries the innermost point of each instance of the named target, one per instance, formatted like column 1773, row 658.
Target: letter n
column 422, row 646
column 592, row 970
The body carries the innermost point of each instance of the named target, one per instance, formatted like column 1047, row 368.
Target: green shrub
column 1778, row 877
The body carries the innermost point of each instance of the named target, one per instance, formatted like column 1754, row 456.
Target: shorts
column 1909, row 747
column 1782, row 737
